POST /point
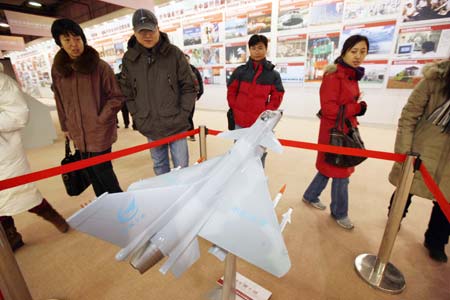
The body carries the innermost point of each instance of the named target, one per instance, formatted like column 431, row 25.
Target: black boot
column 46, row 211
column 14, row 237
column 436, row 254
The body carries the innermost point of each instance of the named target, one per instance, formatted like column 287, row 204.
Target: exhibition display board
column 304, row 36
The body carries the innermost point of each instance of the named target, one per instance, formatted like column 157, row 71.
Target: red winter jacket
column 339, row 87
column 250, row 91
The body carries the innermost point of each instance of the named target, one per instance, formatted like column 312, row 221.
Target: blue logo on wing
column 128, row 213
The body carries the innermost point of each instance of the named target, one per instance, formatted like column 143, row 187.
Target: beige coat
column 416, row 134
column 13, row 161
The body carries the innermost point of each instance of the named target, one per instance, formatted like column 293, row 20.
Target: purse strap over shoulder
column 68, row 151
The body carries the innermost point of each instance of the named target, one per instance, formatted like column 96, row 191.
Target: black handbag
column 76, row 181
column 230, row 118
column 351, row 140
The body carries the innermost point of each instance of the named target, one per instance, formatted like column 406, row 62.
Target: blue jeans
column 160, row 155
column 263, row 157
column 339, row 194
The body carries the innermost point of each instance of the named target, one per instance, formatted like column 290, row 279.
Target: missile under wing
column 224, row 200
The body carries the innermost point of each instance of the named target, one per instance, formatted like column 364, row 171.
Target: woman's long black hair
column 350, row 42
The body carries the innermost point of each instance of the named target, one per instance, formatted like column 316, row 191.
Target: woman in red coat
column 339, row 88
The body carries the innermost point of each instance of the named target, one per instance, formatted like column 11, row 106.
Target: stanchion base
column 391, row 281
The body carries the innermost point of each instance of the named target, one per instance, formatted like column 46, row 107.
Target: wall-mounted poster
column 259, row 19
column 293, row 14
column 375, row 73
column 380, row 35
column 196, row 55
column 212, row 55
column 212, row 26
column 236, row 53
column 236, row 26
column 211, row 75
column 322, row 50
column 291, row 72
column 370, row 10
column 326, row 12
column 424, row 42
column 291, row 47
column 192, row 35
column 422, row 10
column 405, row 74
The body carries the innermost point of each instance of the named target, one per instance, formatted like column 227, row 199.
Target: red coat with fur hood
column 339, row 87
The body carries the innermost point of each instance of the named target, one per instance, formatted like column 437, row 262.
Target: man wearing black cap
column 160, row 89
column 87, row 99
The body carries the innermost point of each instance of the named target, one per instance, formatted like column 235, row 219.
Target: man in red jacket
column 255, row 86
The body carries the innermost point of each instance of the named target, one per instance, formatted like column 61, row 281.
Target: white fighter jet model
column 224, row 200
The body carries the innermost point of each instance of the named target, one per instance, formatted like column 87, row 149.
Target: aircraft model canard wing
column 245, row 223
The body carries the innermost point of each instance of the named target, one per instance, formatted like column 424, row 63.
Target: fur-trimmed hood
column 330, row 69
column 436, row 70
column 85, row 64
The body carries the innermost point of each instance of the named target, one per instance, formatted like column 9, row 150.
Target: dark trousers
column 102, row 176
column 438, row 230
column 125, row 115
column 191, row 119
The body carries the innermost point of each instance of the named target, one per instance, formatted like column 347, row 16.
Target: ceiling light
column 4, row 24
column 34, row 3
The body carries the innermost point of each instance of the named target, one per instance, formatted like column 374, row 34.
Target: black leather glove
column 363, row 109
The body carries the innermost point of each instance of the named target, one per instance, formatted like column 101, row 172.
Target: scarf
column 359, row 71
column 441, row 117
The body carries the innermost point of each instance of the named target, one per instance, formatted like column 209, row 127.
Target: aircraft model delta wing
column 224, row 200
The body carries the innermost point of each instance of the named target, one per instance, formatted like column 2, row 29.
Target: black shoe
column 436, row 254
column 126, row 126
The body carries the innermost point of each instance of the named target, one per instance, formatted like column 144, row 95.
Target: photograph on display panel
column 380, row 35
column 259, row 19
column 375, row 72
column 291, row 46
column 192, row 36
column 292, row 73
column 368, row 10
column 210, row 33
column 236, row 27
column 236, row 53
column 326, row 12
column 211, row 75
column 422, row 10
column 293, row 15
column 196, row 55
column 405, row 74
column 322, row 50
column 423, row 42
column 211, row 55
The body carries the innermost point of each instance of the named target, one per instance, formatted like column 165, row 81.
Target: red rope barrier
column 39, row 175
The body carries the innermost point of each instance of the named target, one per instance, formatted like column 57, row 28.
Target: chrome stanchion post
column 377, row 270
column 12, row 283
column 229, row 278
column 202, row 134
